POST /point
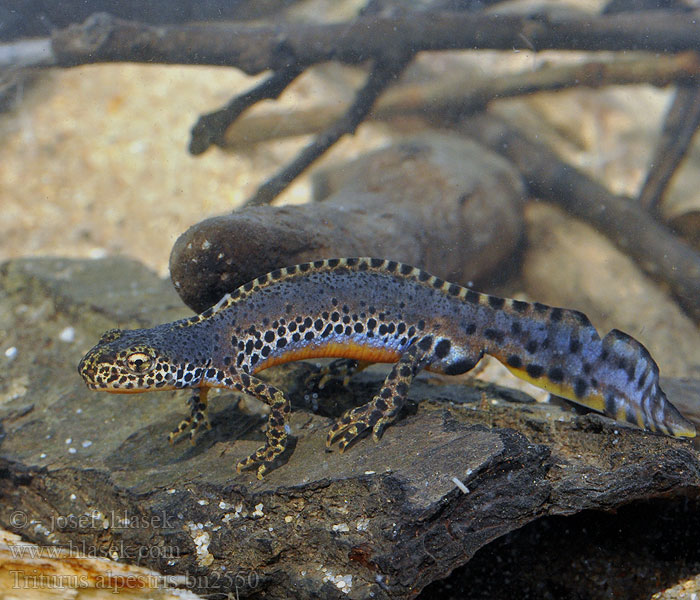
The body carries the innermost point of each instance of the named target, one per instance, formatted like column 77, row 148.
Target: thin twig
column 383, row 73
column 210, row 128
column 681, row 123
column 102, row 38
column 461, row 95
column 653, row 246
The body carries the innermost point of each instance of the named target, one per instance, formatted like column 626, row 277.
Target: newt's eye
column 138, row 362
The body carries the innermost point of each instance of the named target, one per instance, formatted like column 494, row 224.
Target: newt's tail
column 635, row 395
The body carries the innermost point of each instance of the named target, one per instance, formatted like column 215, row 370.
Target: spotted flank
column 367, row 310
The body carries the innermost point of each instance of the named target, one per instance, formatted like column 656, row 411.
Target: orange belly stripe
column 370, row 354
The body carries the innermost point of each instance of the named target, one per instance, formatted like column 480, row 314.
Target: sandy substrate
column 94, row 160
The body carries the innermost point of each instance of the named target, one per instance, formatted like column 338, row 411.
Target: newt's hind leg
column 277, row 426
column 338, row 371
column 198, row 416
column 385, row 406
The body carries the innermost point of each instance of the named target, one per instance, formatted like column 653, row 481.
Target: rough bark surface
column 436, row 201
column 94, row 471
column 257, row 48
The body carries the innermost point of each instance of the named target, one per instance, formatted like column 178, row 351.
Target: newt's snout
column 88, row 370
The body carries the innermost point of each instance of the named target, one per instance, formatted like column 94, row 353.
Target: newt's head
column 127, row 361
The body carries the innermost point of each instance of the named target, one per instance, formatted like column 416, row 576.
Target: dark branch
column 35, row 18
column 210, row 128
column 654, row 247
column 680, row 125
column 255, row 49
column 383, row 74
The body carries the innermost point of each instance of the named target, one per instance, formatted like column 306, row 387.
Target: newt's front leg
column 198, row 415
column 277, row 423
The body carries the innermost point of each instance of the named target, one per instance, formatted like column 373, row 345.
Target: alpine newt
column 373, row 310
